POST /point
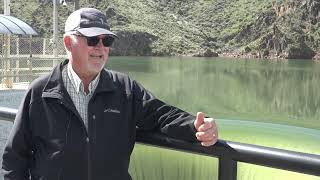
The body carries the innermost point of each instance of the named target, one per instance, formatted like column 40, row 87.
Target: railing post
column 30, row 68
column 17, row 71
column 227, row 169
column 44, row 45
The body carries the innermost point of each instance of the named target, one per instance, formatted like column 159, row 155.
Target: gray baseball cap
column 89, row 22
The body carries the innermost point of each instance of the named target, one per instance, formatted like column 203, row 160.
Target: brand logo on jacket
column 112, row 110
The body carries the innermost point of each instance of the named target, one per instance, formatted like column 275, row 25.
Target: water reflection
column 278, row 92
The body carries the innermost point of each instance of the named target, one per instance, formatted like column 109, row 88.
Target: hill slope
column 255, row 28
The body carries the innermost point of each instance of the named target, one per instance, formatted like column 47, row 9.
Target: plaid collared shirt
column 75, row 88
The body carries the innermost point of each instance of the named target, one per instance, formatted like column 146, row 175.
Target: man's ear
column 67, row 42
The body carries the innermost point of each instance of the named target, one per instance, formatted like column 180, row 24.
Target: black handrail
column 229, row 153
column 8, row 114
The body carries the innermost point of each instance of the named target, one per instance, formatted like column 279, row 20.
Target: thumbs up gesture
column 207, row 132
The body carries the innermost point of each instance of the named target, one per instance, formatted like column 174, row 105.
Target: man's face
column 88, row 61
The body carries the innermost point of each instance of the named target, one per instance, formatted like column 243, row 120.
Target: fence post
column 44, row 46
column 7, row 69
column 30, row 45
column 30, row 68
column 227, row 168
column 16, row 71
column 17, row 46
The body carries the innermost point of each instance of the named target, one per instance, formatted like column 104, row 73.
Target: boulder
column 299, row 52
column 206, row 53
column 209, row 53
column 133, row 44
column 317, row 56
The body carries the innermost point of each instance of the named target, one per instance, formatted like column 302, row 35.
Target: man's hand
column 207, row 132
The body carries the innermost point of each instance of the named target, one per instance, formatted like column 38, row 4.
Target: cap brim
column 93, row 31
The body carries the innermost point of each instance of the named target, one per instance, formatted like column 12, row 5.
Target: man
column 79, row 122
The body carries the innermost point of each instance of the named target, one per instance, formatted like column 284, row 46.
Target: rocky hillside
column 245, row 28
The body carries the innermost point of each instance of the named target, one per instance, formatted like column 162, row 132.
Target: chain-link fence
column 24, row 59
column 30, row 47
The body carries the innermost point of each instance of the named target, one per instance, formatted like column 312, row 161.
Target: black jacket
column 50, row 142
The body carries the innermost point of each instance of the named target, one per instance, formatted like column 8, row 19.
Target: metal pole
column 18, row 61
column 55, row 30
column 7, row 36
column 7, row 80
column 76, row 4
column 227, row 169
column 6, row 7
column 44, row 46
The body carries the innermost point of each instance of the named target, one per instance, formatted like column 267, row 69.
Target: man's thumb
column 199, row 120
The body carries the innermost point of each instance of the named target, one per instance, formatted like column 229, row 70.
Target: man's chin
column 96, row 69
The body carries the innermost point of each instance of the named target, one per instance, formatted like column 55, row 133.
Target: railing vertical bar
column 227, row 169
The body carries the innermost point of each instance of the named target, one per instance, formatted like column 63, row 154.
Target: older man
column 79, row 122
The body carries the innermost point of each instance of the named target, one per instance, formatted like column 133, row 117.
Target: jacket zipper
column 87, row 140
column 59, row 174
column 89, row 159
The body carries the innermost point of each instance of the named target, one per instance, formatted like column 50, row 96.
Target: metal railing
column 229, row 153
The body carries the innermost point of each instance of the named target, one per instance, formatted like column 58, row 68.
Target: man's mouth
column 96, row 56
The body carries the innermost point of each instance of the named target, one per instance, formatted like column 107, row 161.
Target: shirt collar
column 77, row 83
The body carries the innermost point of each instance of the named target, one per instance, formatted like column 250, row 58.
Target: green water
column 258, row 102
column 274, row 92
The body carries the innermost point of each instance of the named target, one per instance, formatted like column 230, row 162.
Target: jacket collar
column 55, row 87
column 106, row 82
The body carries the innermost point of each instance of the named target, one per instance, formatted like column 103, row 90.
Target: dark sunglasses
column 107, row 41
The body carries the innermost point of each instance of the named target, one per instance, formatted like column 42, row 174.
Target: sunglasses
column 107, row 41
